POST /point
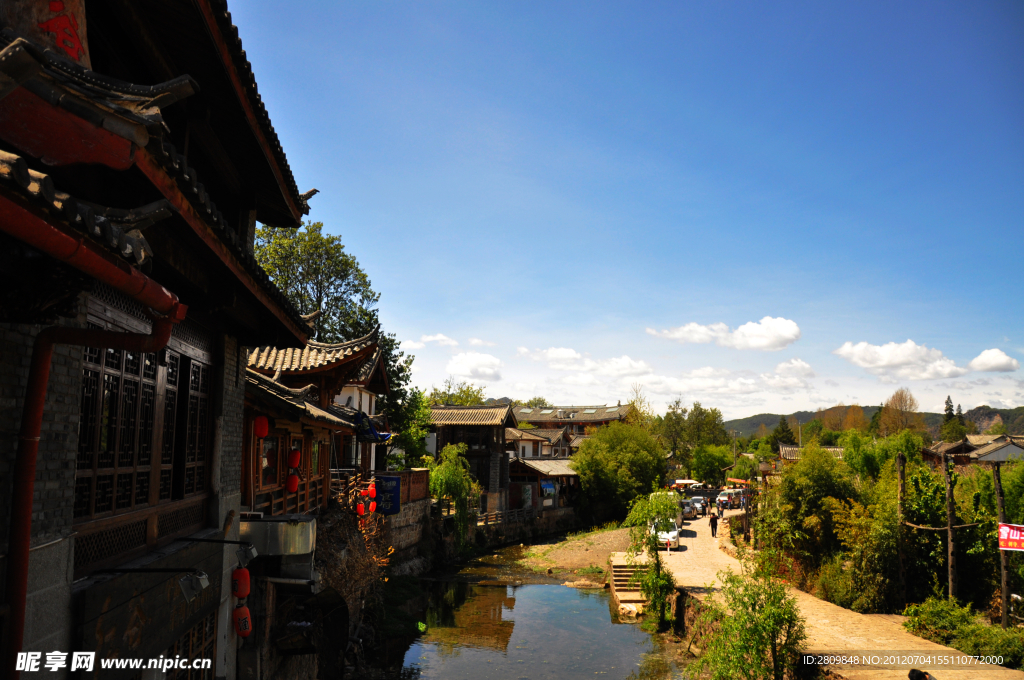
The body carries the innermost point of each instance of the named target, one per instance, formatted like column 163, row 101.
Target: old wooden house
column 136, row 158
column 482, row 430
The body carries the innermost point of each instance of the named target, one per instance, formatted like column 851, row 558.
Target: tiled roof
column 551, row 435
column 515, row 434
column 999, row 451
column 245, row 73
column 578, row 439
column 471, row 415
column 788, row 452
column 294, row 401
column 550, row 468
column 581, row 414
column 116, row 230
column 314, row 356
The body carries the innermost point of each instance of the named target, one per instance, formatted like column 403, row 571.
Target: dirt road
column 829, row 627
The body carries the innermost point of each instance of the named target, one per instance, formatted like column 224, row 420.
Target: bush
column 937, row 619
column 982, row 640
column 944, row 621
column 617, row 464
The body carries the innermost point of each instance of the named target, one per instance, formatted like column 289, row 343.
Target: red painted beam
column 57, row 136
column 169, row 188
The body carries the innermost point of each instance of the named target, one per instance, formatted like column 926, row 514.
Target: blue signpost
column 389, row 495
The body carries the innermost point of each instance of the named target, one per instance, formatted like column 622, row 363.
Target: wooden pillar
column 950, row 521
column 901, row 499
column 1004, row 555
column 58, row 25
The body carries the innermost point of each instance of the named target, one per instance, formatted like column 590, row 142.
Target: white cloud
column 477, row 342
column 720, row 382
column 412, row 344
column 994, row 360
column 475, row 365
column 440, row 339
column 908, row 361
column 795, row 368
column 769, row 334
column 568, row 359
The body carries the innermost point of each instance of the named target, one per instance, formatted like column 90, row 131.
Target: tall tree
column 672, row 429
column 641, row 413
column 705, row 426
column 900, row 413
column 315, row 273
column 538, row 402
column 948, row 414
column 456, row 393
column 959, row 414
column 782, row 434
column 854, row 419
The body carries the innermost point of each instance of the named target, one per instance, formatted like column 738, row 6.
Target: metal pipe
column 290, row 581
column 82, row 255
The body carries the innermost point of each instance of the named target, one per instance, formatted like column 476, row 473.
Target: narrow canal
column 496, row 620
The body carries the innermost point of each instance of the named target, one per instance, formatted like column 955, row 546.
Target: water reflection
column 465, row 615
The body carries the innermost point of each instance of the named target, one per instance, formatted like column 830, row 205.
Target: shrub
column 982, row 640
column 759, row 629
column 937, row 619
column 617, row 464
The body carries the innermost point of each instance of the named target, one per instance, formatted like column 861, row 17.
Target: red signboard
column 1011, row 537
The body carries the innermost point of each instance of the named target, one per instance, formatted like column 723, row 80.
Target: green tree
column 456, row 393
column 411, row 439
column 709, row 462
column 316, row 274
column 451, row 483
column 782, row 434
column 538, row 402
column 948, row 414
column 804, row 487
column 646, row 515
column 616, row 464
column 755, row 631
column 672, row 430
column 746, row 468
column 953, row 430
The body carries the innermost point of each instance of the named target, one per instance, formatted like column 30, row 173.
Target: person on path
column 704, row 509
column 714, row 525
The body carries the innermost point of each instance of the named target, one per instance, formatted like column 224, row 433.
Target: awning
column 738, row 481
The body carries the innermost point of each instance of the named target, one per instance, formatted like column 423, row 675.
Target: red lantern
column 373, row 505
column 243, row 624
column 360, row 510
column 261, row 426
column 373, row 491
column 293, row 483
column 240, row 582
column 294, row 457
column 364, row 492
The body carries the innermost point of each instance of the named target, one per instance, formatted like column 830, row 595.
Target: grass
column 590, row 570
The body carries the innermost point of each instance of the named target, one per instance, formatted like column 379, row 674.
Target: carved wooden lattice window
column 115, row 443
column 199, row 642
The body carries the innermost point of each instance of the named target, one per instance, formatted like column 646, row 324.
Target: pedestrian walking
column 704, row 509
column 714, row 525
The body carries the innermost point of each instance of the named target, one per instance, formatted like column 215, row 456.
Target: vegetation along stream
column 497, row 619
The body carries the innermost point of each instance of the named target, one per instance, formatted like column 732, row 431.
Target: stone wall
column 411, row 538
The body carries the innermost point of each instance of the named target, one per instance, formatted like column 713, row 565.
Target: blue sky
column 753, row 205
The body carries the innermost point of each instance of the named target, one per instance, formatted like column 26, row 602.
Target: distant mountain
column 986, row 416
column 983, row 416
column 497, row 402
column 747, row 426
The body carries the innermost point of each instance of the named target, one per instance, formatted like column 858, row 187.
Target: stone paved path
column 829, row 627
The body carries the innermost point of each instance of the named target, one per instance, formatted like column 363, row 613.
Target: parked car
column 668, row 533
column 698, row 503
column 688, row 508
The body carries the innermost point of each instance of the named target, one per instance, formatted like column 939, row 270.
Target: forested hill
column 983, row 416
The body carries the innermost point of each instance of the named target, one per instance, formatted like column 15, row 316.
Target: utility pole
column 901, row 499
column 1004, row 555
column 950, row 521
column 734, row 447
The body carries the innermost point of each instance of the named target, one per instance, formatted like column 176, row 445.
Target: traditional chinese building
column 136, row 157
column 575, row 419
column 482, row 430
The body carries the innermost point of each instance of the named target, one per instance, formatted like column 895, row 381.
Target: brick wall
column 53, row 501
